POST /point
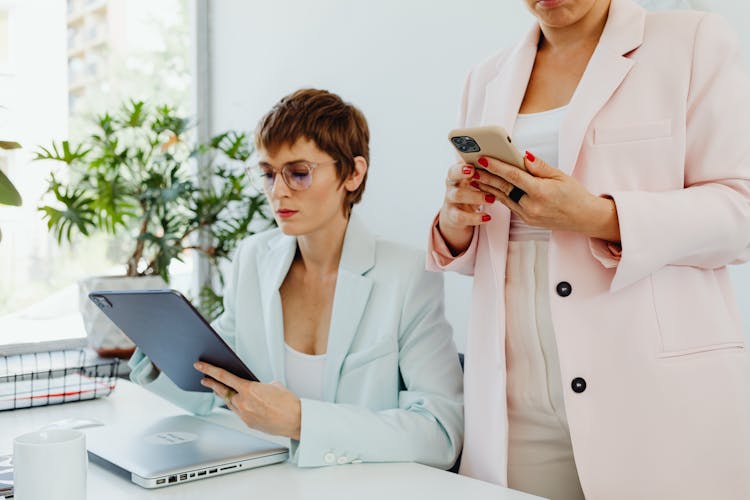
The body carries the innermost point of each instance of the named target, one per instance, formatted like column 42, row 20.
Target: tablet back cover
column 171, row 332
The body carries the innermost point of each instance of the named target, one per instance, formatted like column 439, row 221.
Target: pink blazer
column 661, row 122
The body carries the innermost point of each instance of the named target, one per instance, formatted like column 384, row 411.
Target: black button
column 578, row 385
column 564, row 289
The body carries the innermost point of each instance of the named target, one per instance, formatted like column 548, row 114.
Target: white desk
column 130, row 402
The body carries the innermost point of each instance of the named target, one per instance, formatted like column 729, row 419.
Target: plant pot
column 103, row 336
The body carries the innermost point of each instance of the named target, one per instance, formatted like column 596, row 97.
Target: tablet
column 171, row 332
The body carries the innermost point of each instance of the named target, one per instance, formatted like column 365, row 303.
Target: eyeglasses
column 297, row 175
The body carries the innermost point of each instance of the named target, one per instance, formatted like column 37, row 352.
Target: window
column 70, row 60
column 4, row 39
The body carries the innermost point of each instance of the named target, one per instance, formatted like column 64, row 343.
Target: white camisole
column 537, row 133
column 304, row 373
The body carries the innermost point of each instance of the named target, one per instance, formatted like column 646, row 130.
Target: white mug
column 50, row 465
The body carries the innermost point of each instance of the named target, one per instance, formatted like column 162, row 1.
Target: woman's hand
column 461, row 207
column 553, row 200
column 270, row 408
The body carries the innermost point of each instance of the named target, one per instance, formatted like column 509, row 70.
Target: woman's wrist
column 296, row 428
column 456, row 239
column 603, row 222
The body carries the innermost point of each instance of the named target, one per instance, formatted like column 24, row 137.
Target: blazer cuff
column 316, row 446
column 607, row 253
column 144, row 373
column 439, row 257
column 142, row 370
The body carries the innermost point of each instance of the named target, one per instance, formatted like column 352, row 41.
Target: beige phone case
column 492, row 140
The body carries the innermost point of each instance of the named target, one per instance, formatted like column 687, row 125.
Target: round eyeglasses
column 297, row 175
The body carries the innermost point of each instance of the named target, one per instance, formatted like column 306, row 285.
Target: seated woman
column 345, row 331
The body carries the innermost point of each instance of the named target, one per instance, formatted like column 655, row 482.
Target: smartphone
column 492, row 140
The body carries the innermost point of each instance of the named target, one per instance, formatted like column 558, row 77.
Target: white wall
column 401, row 62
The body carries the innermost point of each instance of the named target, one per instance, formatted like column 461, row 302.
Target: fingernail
column 530, row 156
column 203, row 381
column 489, row 198
column 467, row 170
column 197, row 365
column 486, row 217
column 474, row 184
column 475, row 176
column 483, row 161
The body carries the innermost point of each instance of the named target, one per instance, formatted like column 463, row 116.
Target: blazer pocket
column 362, row 357
column 728, row 346
column 692, row 312
column 633, row 132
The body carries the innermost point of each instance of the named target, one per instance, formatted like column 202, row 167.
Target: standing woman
column 605, row 356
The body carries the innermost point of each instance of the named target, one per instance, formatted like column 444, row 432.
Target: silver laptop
column 177, row 449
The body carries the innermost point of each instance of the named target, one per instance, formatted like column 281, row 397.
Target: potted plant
column 8, row 193
column 131, row 176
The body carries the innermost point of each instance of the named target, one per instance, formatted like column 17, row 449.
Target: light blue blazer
column 392, row 384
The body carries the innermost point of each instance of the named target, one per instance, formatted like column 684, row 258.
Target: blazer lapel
column 274, row 267
column 350, row 300
column 504, row 93
column 604, row 73
column 503, row 98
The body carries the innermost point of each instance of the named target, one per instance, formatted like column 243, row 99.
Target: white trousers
column 540, row 455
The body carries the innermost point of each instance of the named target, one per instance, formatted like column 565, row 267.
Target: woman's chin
column 288, row 227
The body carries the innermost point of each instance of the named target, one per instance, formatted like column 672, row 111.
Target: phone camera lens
column 101, row 302
column 465, row 144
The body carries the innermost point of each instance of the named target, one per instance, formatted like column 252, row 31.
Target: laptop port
column 172, row 479
column 183, row 477
column 229, row 467
column 161, row 481
column 192, row 474
column 212, row 471
column 202, row 473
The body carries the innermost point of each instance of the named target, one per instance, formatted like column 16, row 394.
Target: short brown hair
column 336, row 127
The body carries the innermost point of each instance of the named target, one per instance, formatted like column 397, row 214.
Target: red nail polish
column 483, row 161
column 486, row 217
column 474, row 184
column 475, row 176
column 489, row 198
column 530, row 156
column 467, row 170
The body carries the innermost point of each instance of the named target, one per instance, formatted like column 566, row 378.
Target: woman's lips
column 550, row 4
column 285, row 213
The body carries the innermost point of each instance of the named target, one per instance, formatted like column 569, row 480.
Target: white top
column 304, row 373
column 537, row 133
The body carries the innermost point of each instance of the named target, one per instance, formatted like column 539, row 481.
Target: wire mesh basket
column 54, row 377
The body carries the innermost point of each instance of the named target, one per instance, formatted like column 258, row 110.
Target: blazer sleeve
column 427, row 427
column 706, row 224
column 143, row 371
column 439, row 257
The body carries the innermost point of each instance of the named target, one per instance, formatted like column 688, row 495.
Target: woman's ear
column 358, row 175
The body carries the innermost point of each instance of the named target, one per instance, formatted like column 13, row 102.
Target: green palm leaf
column 63, row 153
column 78, row 213
column 115, row 205
column 8, row 193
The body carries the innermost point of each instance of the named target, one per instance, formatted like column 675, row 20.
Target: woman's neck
column 320, row 251
column 584, row 32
